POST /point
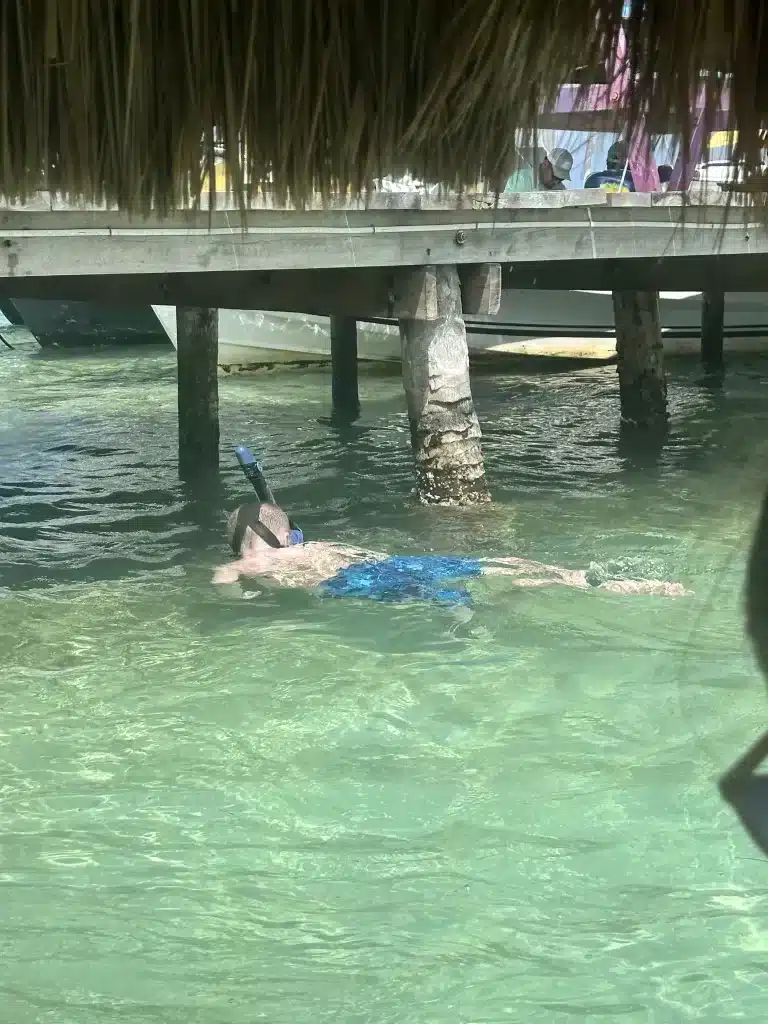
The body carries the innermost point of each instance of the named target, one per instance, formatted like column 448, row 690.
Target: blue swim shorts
column 406, row 578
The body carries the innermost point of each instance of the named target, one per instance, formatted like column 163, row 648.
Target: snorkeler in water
column 260, row 535
column 269, row 546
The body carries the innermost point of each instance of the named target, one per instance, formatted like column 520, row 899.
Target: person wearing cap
column 267, row 547
column 525, row 170
column 555, row 169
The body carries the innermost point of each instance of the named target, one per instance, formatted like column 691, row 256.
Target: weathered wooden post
column 445, row 432
column 197, row 345
column 642, row 383
column 345, row 398
column 712, row 321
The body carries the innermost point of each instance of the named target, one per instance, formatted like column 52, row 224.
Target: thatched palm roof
column 122, row 99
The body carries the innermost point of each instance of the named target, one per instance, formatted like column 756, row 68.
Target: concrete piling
column 445, row 432
column 712, row 320
column 197, row 331
column 345, row 397
column 642, row 381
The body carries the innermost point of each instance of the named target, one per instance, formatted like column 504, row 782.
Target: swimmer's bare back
column 310, row 564
column 303, row 565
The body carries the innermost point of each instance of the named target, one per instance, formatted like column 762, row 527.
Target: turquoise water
column 293, row 809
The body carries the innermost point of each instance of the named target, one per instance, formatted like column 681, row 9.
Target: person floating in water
column 268, row 547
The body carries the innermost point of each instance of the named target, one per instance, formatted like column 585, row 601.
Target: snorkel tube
column 255, row 474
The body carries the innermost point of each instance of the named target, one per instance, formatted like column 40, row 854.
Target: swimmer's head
column 256, row 526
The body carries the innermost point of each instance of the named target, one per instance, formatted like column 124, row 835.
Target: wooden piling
column 480, row 288
column 712, row 320
column 642, row 382
column 345, row 397
column 445, row 432
column 197, row 332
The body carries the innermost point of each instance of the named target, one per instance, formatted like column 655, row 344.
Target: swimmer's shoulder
column 349, row 552
column 324, row 559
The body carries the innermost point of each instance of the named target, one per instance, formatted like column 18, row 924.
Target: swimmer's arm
column 229, row 573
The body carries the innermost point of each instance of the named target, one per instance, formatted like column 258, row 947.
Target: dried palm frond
column 129, row 101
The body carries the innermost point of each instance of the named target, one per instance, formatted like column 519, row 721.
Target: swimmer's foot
column 462, row 614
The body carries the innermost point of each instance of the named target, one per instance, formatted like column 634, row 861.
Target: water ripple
column 289, row 809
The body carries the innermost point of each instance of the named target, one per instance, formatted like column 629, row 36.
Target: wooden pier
column 239, row 259
column 391, row 257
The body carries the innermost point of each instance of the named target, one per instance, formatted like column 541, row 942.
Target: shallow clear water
column 295, row 809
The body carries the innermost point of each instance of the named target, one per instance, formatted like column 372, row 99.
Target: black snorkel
column 255, row 474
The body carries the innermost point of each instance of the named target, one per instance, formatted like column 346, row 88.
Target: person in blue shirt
column 617, row 176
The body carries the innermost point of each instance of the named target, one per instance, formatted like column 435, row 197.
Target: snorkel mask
column 255, row 474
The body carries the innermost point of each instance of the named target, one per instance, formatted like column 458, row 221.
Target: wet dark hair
column 665, row 173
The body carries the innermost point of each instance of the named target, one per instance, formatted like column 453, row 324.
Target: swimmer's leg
column 578, row 579
column 657, row 588
column 534, row 574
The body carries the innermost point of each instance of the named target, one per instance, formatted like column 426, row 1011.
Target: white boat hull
column 579, row 324
column 557, row 324
column 251, row 339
